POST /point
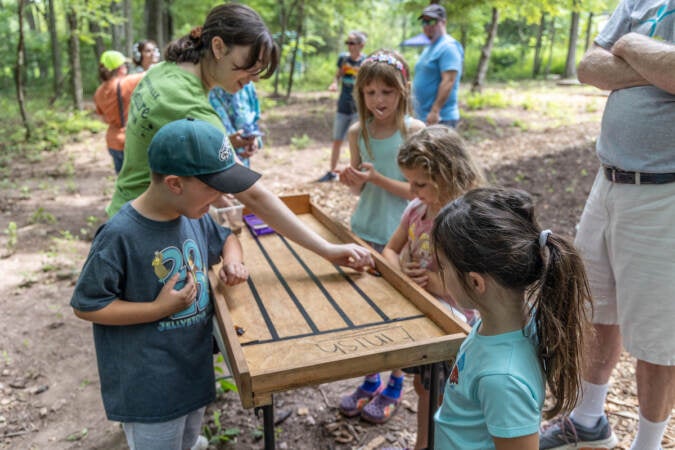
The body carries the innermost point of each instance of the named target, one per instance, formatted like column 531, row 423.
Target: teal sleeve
column 509, row 406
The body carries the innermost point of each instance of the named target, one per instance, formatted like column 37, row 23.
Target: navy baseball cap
column 435, row 11
column 194, row 148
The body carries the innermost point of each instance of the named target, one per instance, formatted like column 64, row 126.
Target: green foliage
column 12, row 236
column 52, row 126
column 223, row 383
column 300, row 143
column 217, row 434
column 487, row 99
column 42, row 216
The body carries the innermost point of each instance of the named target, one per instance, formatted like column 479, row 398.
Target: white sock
column 591, row 405
column 649, row 434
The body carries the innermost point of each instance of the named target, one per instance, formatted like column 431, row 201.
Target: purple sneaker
column 352, row 404
column 380, row 409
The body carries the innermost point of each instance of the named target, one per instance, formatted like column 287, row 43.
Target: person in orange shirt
column 112, row 100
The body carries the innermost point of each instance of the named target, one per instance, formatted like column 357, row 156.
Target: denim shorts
column 626, row 239
column 341, row 125
column 118, row 158
column 176, row 434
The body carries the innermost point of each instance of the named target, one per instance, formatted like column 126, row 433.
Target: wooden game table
column 300, row 320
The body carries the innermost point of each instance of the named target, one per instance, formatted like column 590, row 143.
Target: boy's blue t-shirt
column 157, row 371
column 496, row 388
column 446, row 54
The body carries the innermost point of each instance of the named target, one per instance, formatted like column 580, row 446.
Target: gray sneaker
column 564, row 434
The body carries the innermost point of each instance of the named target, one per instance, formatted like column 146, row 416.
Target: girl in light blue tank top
column 383, row 102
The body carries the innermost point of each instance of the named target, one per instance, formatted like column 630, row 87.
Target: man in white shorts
column 627, row 230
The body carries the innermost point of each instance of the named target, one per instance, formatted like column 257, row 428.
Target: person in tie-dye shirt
column 240, row 114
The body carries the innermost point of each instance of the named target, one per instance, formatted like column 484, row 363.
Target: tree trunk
column 18, row 72
column 153, row 21
column 571, row 61
column 589, row 30
column 283, row 21
column 30, row 18
column 485, row 53
column 550, row 47
column 128, row 27
column 56, row 50
column 298, row 36
column 99, row 45
column 74, row 59
column 167, row 24
column 117, row 30
column 536, row 65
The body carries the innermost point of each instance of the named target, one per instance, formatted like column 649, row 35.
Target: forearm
column 276, row 214
column 395, row 187
column 444, row 89
column 604, row 70
column 435, row 286
column 392, row 257
column 232, row 250
column 653, row 60
column 121, row 312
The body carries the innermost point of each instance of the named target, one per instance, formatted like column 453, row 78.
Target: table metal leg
column 433, row 402
column 268, row 424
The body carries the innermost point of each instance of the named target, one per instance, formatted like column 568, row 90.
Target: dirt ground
column 541, row 141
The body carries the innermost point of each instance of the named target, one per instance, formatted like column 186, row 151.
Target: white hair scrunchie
column 543, row 238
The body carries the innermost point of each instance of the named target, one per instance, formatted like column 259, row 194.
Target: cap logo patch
column 226, row 150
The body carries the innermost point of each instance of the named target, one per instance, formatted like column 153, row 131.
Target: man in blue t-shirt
column 437, row 72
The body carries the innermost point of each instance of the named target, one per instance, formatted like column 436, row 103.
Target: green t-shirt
column 165, row 94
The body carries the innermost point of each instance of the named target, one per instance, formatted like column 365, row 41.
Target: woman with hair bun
column 232, row 48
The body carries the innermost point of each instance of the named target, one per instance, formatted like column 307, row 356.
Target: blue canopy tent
column 420, row 40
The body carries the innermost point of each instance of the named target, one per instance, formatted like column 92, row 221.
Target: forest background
column 49, row 49
column 49, row 135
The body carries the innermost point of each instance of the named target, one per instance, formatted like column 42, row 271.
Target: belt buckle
column 613, row 170
column 637, row 178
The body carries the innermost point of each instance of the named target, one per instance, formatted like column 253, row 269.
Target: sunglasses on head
column 351, row 43
column 431, row 22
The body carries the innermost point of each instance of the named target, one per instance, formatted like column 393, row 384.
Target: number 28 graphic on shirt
column 171, row 261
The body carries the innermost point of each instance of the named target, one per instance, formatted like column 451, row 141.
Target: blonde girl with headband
column 533, row 297
column 439, row 168
column 383, row 101
column 382, row 92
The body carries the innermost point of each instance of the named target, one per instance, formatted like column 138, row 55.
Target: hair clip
column 388, row 59
column 196, row 33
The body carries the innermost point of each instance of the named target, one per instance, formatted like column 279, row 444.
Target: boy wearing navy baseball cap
column 144, row 286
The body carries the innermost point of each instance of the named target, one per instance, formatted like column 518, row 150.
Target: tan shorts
column 627, row 239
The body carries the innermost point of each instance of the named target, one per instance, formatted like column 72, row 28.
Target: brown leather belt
column 626, row 177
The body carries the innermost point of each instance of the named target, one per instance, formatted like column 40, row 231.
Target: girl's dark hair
column 493, row 231
column 235, row 24
column 442, row 153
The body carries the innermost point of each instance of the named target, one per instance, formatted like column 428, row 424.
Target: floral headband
column 388, row 59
